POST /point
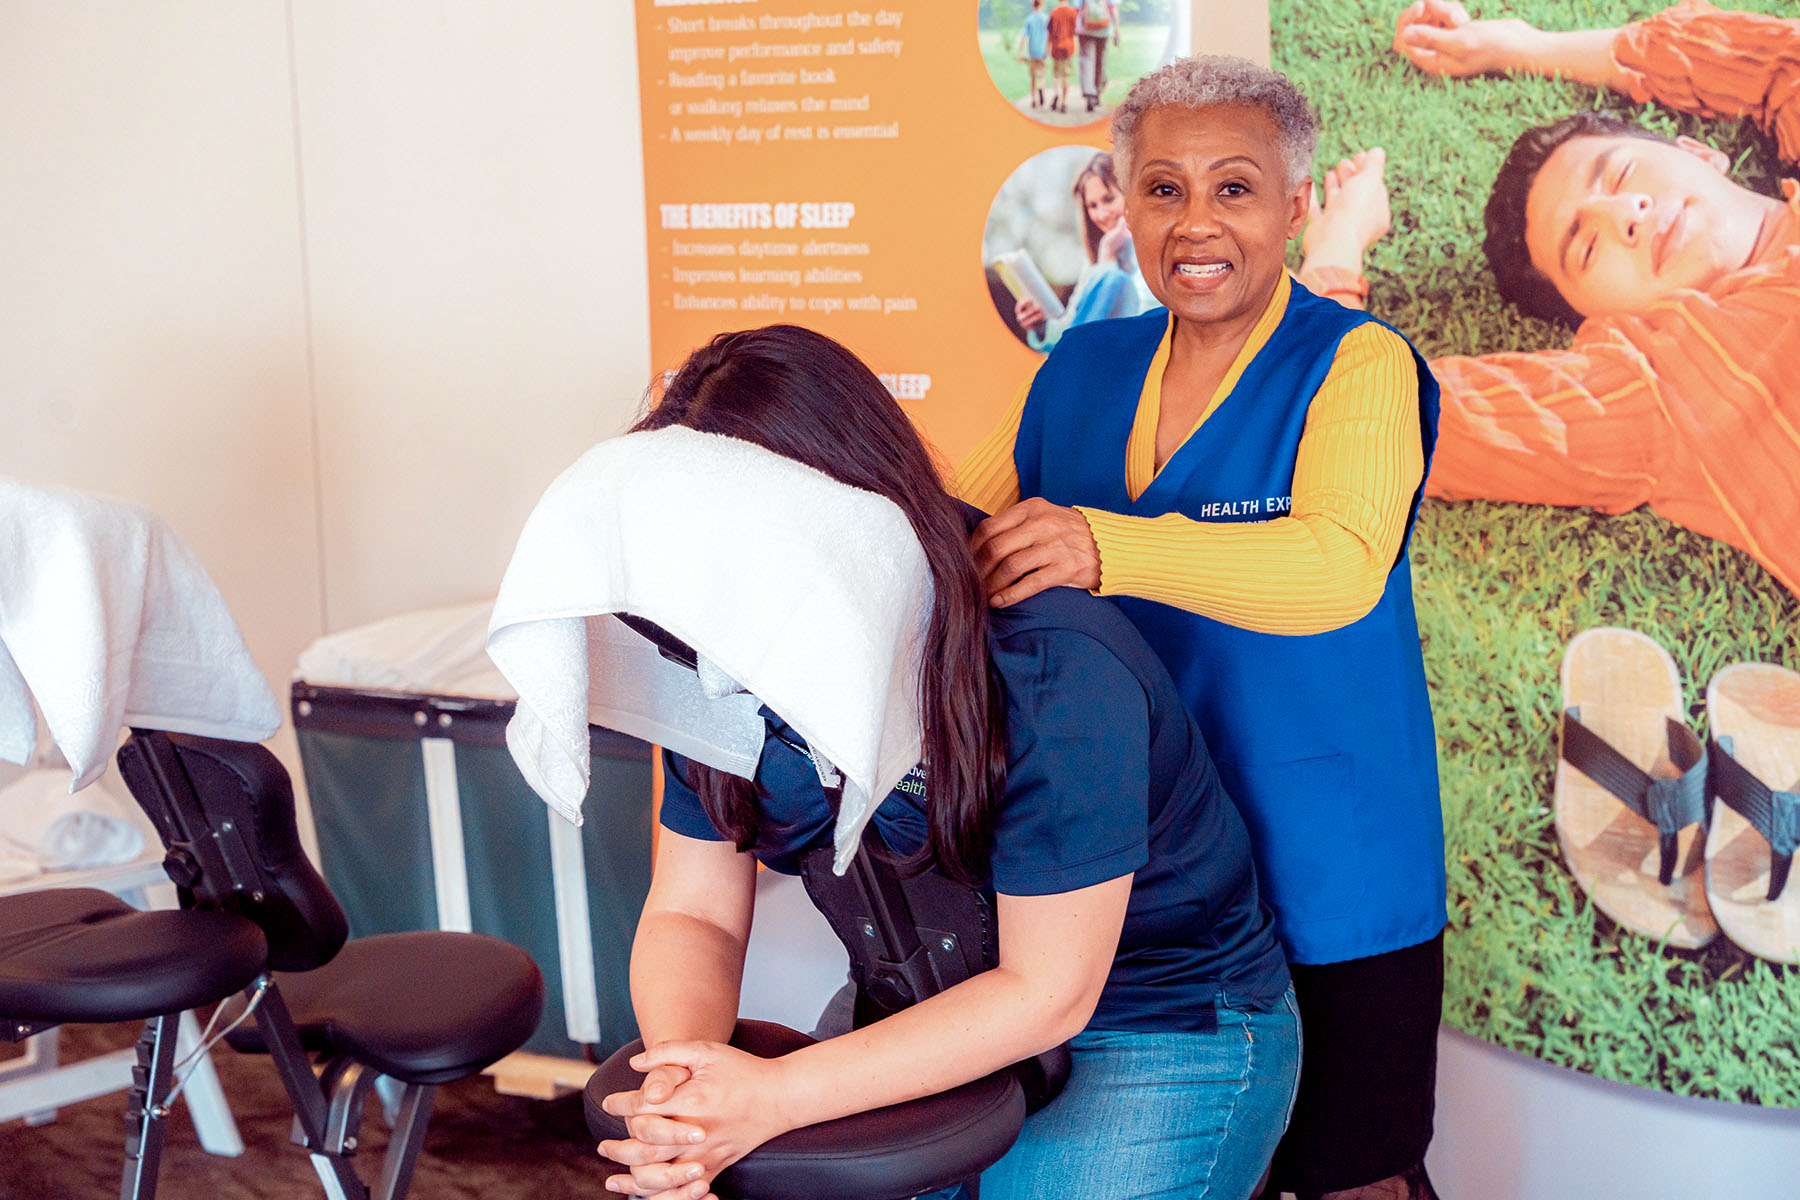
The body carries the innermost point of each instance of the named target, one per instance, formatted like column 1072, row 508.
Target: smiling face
column 1616, row 223
column 1211, row 212
column 1104, row 205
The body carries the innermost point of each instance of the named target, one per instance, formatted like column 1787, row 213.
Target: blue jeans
column 1185, row 1115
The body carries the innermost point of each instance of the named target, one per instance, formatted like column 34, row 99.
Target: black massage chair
column 256, row 918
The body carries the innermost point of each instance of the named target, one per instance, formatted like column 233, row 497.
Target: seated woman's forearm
column 973, row 1029
column 687, row 958
column 686, row 974
column 1055, row 954
column 1293, row 575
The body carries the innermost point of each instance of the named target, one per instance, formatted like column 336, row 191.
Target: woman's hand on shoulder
column 1032, row 546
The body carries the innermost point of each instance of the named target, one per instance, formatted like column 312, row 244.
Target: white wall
column 475, row 240
column 334, row 287
column 1514, row 1128
column 151, row 317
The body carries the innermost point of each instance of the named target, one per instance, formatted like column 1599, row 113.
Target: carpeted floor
column 479, row 1143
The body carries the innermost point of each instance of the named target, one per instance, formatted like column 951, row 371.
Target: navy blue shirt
column 1108, row 776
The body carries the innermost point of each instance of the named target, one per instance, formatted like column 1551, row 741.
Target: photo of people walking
column 1069, row 62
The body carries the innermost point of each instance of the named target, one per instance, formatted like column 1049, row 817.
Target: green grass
column 1135, row 55
column 1502, row 588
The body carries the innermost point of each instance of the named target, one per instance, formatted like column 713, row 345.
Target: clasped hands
column 701, row 1107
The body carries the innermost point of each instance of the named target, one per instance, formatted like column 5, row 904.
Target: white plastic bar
column 568, row 877
column 32, row 1090
column 443, row 808
column 334, row 1190
column 36, row 1086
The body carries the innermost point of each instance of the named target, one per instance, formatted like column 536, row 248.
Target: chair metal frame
column 215, row 865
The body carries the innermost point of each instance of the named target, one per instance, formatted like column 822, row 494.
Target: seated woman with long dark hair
column 1059, row 768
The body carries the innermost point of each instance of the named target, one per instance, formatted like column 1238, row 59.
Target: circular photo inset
column 1070, row 62
column 1057, row 250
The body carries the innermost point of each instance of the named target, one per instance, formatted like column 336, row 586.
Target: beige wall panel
column 474, row 205
column 151, row 316
column 1238, row 27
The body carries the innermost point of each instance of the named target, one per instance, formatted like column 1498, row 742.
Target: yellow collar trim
column 1140, row 447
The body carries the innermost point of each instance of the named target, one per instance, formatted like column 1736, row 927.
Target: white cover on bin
column 441, row 650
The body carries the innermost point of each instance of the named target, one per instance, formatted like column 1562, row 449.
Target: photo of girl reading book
column 1057, row 248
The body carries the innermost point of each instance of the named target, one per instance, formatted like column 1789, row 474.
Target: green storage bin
column 424, row 822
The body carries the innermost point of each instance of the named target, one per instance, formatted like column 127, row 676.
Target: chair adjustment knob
column 181, row 867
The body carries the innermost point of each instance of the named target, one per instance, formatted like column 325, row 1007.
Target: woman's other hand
column 1032, row 546
column 656, row 1142
column 1028, row 314
column 655, row 1177
column 1354, row 214
column 1440, row 38
column 735, row 1099
column 1113, row 243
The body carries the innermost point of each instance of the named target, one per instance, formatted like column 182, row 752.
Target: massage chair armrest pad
column 884, row 1154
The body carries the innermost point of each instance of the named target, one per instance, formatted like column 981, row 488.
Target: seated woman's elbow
column 1073, row 1021
column 1063, row 1014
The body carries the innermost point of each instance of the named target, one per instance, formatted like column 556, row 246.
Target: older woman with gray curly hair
column 1239, row 470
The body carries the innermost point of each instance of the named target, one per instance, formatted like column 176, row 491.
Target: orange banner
column 833, row 165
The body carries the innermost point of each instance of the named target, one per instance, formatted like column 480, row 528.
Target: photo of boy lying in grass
column 1679, row 390
column 1593, row 235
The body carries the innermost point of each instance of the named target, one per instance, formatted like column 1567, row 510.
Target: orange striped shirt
column 1692, row 406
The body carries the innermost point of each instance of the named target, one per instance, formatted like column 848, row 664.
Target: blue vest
column 1325, row 741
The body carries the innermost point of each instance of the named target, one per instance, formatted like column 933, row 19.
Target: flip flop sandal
column 1755, row 714
column 1631, row 788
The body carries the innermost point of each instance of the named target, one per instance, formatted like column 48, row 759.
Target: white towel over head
column 107, row 619
column 810, row 595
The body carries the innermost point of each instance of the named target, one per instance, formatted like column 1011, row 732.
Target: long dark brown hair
column 1099, row 167
column 805, row 397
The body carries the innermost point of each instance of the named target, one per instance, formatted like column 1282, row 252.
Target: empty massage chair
column 334, row 1015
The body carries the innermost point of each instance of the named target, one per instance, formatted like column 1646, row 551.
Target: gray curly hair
column 1208, row 79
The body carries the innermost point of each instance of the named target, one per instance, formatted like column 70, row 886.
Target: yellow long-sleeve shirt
column 1320, row 567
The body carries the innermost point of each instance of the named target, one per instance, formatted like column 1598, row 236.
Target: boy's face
column 1617, row 223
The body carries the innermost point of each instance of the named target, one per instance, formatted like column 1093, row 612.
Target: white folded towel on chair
column 106, row 619
column 822, row 619
column 43, row 825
